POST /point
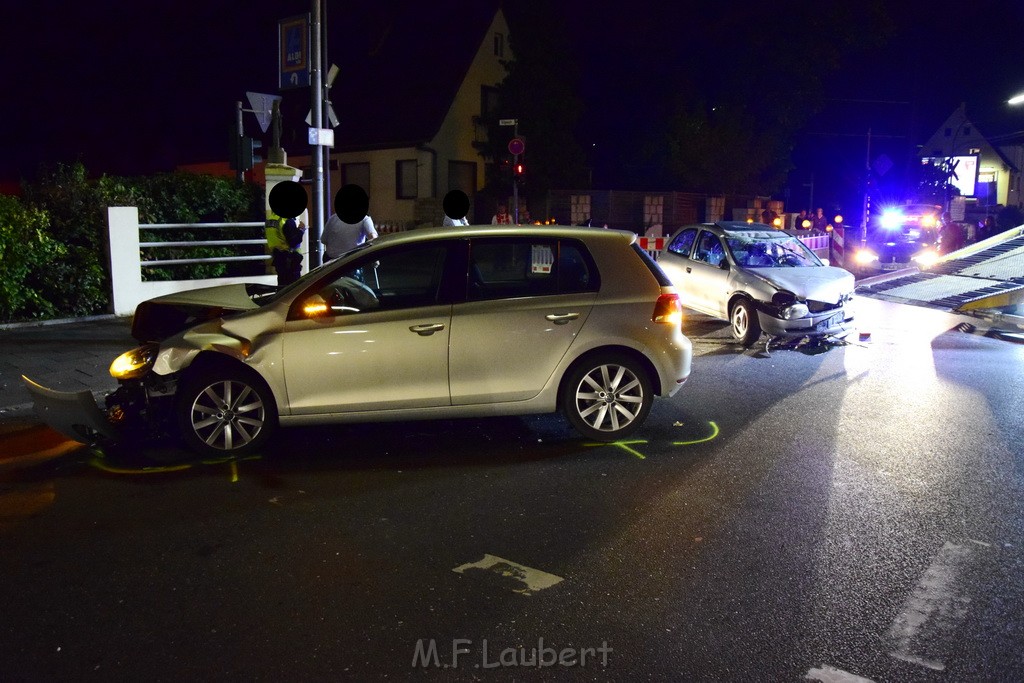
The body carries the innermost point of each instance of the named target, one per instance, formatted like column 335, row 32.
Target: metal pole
column 238, row 144
column 316, row 223
column 515, row 179
column 328, row 197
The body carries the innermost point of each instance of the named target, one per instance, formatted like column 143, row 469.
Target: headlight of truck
column 135, row 363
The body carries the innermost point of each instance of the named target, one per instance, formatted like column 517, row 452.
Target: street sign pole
column 316, row 221
column 515, row 160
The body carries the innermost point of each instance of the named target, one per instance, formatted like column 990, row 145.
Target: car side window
column 509, row 267
column 683, row 242
column 400, row 278
column 709, row 249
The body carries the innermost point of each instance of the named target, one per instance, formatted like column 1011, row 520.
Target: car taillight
column 668, row 310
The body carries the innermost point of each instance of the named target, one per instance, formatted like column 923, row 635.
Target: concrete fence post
column 125, row 259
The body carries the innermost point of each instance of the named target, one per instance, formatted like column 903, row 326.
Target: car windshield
column 769, row 250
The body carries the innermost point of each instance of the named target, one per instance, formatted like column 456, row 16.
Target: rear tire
column 225, row 411
column 607, row 396
column 746, row 328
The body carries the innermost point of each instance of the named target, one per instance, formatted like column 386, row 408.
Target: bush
column 29, row 257
column 77, row 211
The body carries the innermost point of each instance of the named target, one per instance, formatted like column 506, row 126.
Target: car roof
column 466, row 231
column 740, row 228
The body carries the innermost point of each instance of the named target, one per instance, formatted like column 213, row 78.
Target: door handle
column 561, row 318
column 688, row 269
column 427, row 330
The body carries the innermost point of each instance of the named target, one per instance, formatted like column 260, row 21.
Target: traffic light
column 234, row 149
column 518, row 169
column 250, row 152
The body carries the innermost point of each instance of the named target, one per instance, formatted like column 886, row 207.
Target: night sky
column 131, row 88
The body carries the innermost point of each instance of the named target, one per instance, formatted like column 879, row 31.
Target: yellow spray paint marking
column 714, row 433
column 99, row 464
column 624, row 445
column 159, row 469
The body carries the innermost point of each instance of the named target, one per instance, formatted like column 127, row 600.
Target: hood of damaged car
column 159, row 318
column 819, row 283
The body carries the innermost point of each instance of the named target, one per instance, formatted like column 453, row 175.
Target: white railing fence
column 126, row 264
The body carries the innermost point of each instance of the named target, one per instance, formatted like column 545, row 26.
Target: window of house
column 488, row 101
column 499, row 44
column 462, row 176
column 356, row 174
column 406, row 181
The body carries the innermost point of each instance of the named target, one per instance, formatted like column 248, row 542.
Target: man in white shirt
column 340, row 236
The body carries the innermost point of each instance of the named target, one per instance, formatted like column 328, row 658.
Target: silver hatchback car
column 435, row 323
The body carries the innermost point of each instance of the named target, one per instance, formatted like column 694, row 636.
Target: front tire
column 607, row 397
column 226, row 411
column 745, row 326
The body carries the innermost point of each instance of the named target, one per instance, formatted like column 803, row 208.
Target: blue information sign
column 293, row 48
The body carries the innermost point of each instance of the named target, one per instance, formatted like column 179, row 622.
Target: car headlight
column 135, row 363
column 865, row 256
column 925, row 258
column 794, row 311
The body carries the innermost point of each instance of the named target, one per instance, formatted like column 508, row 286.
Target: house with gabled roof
column 994, row 164
column 412, row 99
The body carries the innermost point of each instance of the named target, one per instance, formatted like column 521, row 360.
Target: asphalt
column 66, row 355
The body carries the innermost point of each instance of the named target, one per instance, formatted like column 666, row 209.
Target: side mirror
column 724, row 265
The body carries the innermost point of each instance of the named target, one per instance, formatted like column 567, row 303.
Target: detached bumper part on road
column 73, row 414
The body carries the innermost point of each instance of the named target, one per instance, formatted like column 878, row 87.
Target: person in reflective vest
column 284, row 236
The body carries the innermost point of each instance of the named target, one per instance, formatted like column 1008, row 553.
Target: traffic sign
column 261, row 106
column 508, row 122
column 516, row 146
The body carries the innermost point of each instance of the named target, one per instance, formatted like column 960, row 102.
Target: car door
column 527, row 299
column 372, row 336
column 677, row 265
column 707, row 283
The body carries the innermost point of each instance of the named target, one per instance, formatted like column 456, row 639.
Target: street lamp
column 1016, row 99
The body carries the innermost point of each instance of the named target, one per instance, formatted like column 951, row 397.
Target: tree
column 744, row 85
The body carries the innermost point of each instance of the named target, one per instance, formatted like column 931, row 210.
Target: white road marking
column 533, row 580
column 934, row 609
column 830, row 674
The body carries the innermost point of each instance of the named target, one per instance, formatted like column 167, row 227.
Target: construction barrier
column 652, row 245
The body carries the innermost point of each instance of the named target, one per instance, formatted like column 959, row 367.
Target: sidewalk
column 67, row 356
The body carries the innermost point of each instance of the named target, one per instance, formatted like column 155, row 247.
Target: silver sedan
column 759, row 279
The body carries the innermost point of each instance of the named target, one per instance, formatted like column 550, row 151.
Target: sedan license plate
column 829, row 322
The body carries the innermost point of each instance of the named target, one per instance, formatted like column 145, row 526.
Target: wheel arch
column 634, row 354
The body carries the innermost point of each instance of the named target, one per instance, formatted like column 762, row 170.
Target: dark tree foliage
column 740, row 82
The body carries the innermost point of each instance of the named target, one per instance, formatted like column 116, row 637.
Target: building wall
column 454, row 140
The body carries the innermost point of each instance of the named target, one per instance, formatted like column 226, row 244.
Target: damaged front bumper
column 72, row 413
column 133, row 411
column 834, row 323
